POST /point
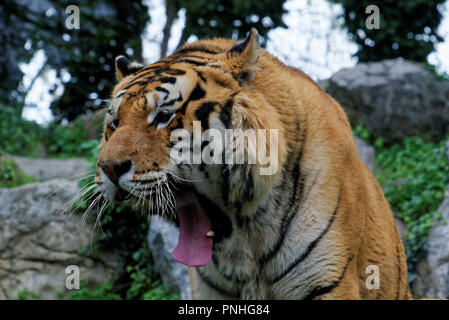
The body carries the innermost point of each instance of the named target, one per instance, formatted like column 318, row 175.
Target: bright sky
column 313, row 41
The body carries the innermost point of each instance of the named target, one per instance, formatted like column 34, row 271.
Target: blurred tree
column 13, row 38
column 223, row 18
column 408, row 29
column 83, row 58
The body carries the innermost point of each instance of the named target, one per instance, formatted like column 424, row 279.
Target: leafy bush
column 101, row 292
column 25, row 294
column 18, row 136
column 10, row 174
column 22, row 137
column 68, row 141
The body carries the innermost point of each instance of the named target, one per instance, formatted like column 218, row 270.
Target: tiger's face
column 200, row 84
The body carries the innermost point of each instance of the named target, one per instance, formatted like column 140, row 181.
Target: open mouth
column 195, row 241
column 201, row 223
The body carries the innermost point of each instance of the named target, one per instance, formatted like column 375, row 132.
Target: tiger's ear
column 124, row 67
column 242, row 58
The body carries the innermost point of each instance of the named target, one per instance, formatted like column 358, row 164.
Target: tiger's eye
column 163, row 116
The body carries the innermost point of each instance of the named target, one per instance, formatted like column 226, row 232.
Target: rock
column 433, row 271
column 163, row 238
column 46, row 169
column 366, row 153
column 393, row 99
column 438, row 256
column 38, row 242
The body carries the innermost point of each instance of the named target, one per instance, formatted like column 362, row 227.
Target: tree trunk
column 171, row 12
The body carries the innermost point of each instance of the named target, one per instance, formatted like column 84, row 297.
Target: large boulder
column 46, row 169
column 433, row 271
column 163, row 238
column 393, row 99
column 38, row 242
column 438, row 255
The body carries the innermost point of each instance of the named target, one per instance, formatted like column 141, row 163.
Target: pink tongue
column 194, row 247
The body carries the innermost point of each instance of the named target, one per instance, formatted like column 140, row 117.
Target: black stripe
column 323, row 290
column 175, row 72
column 201, row 76
column 311, row 246
column 225, row 183
column 215, row 286
column 249, row 187
column 290, row 213
column 171, row 80
column 203, row 112
column 160, row 89
column 196, row 94
column 225, row 114
column 172, row 101
column 190, row 61
column 142, row 74
column 197, row 49
column 144, row 82
column 231, row 278
column 152, row 67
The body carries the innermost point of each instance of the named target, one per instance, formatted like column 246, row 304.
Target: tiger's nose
column 114, row 169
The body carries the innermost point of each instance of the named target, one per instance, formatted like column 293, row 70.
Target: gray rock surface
column 46, row 169
column 393, row 99
column 433, row 271
column 163, row 238
column 38, row 242
column 366, row 153
column 438, row 256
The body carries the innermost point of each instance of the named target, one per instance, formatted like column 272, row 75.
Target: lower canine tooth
column 210, row 234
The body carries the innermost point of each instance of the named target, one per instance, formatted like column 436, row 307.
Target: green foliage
column 21, row 137
column 413, row 176
column 69, row 141
column 11, row 175
column 364, row 134
column 24, row 294
column 107, row 29
column 100, row 292
column 18, row 136
column 408, row 29
column 230, row 19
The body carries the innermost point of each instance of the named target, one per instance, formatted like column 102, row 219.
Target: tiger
column 317, row 227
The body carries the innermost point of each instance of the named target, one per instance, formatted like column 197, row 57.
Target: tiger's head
column 207, row 84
